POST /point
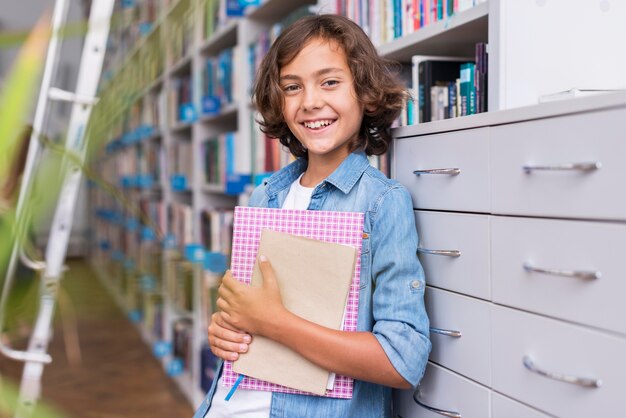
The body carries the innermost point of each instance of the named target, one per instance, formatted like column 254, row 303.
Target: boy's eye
column 290, row 88
column 330, row 83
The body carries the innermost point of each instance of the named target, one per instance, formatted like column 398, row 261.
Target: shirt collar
column 349, row 171
column 343, row 178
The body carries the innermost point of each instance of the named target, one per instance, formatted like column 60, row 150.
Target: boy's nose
column 311, row 100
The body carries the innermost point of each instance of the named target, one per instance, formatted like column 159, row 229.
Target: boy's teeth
column 317, row 124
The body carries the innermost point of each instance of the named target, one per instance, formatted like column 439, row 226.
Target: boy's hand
column 252, row 309
column 226, row 342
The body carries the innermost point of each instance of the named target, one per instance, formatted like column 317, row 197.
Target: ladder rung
column 55, row 93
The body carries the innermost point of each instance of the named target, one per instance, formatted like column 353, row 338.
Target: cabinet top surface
column 543, row 110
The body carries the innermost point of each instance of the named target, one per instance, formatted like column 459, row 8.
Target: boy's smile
column 321, row 107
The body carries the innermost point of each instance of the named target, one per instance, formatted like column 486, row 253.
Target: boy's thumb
column 269, row 279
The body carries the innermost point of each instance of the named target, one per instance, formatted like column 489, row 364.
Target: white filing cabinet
column 522, row 223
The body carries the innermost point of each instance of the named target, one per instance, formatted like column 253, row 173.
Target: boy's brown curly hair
column 375, row 81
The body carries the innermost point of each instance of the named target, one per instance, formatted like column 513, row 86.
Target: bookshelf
column 159, row 121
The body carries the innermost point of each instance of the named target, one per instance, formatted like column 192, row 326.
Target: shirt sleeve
column 400, row 321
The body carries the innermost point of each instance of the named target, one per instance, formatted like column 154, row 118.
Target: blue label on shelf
column 175, row 367
column 178, row 182
column 194, row 253
column 145, row 131
column 236, row 183
column 144, row 180
column 237, row 7
column 211, row 105
column 134, row 315
column 214, row 262
column 187, row 113
column 126, row 181
column 147, row 234
column 105, row 245
column 161, row 348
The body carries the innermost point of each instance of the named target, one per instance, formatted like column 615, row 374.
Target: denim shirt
column 391, row 300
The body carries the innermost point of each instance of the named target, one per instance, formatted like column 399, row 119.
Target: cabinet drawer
column 467, row 151
column 444, row 390
column 562, row 248
column 503, row 407
column 460, row 325
column 553, row 143
column 467, row 273
column 562, row 349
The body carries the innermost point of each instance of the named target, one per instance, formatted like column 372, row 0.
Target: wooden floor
column 117, row 376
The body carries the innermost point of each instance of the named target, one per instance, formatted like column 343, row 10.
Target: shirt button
column 415, row 284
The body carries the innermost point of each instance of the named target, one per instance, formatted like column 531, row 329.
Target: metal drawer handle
column 585, row 167
column 446, row 332
column 446, row 171
column 580, row 381
column 578, row 274
column 447, row 253
column 445, row 413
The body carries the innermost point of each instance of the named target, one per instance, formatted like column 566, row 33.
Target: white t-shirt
column 247, row 403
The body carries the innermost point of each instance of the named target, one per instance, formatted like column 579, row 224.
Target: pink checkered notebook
column 329, row 226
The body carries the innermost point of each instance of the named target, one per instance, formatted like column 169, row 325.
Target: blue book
column 468, row 92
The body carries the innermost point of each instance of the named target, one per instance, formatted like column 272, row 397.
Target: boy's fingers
column 228, row 281
column 267, row 271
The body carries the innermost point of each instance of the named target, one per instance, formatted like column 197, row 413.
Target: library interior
column 132, row 159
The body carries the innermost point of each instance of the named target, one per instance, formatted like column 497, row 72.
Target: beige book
column 314, row 279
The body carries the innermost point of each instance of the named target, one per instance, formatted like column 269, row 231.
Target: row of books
column 180, row 223
column 132, row 20
column 216, row 230
column 386, row 20
column 180, row 287
column 152, row 315
column 143, row 113
column 268, row 155
column 224, row 156
column 448, row 87
column 180, row 31
column 180, row 101
column 218, row 82
column 180, row 162
column 182, row 341
column 154, row 211
column 135, row 161
column 218, row 13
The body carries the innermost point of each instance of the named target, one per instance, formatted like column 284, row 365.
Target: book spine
column 467, row 86
column 425, row 83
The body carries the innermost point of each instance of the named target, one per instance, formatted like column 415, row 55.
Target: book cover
column 316, row 291
column 344, row 228
column 468, row 92
column 481, row 77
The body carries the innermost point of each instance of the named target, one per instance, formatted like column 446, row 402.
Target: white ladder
column 36, row 356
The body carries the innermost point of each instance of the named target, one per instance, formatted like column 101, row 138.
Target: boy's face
column 321, row 106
